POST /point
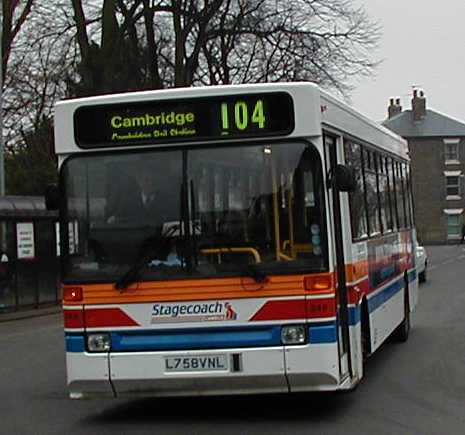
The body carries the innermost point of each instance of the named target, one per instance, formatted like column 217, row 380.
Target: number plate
column 199, row 363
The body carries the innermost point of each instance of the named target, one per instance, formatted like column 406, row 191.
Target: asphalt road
column 412, row 388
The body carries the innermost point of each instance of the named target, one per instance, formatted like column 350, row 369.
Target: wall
column 429, row 187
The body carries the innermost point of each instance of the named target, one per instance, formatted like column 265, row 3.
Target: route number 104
column 245, row 115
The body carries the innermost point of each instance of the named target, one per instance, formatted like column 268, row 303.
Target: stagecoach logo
column 193, row 312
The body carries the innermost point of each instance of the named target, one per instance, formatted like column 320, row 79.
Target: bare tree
column 40, row 59
column 325, row 41
column 76, row 47
column 62, row 48
column 15, row 13
column 160, row 43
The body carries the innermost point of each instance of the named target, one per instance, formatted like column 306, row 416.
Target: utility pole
column 2, row 159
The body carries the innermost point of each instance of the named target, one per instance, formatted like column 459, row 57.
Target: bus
column 276, row 252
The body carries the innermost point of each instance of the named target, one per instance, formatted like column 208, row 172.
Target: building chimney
column 418, row 105
column 394, row 107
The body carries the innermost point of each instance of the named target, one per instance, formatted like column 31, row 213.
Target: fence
column 29, row 257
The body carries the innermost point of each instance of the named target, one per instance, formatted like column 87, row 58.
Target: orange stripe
column 210, row 289
column 200, row 289
column 356, row 271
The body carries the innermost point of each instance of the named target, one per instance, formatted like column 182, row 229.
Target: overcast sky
column 423, row 43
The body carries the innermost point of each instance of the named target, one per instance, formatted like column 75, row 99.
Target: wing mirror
column 52, row 197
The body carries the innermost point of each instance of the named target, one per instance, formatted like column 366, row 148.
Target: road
column 412, row 388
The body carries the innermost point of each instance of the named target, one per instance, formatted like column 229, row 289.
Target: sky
column 423, row 44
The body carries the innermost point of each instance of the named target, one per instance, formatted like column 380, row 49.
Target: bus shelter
column 29, row 254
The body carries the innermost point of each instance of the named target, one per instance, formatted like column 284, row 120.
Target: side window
column 405, row 196
column 394, row 194
column 390, row 194
column 408, row 187
column 358, row 216
column 400, row 196
column 383, row 195
column 371, row 186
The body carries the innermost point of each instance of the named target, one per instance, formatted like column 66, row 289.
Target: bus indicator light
column 318, row 284
column 72, row 294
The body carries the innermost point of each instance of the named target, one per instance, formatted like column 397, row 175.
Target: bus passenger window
column 384, row 196
column 371, row 186
column 358, row 211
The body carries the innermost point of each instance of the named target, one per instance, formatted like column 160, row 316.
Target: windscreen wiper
column 131, row 276
column 152, row 247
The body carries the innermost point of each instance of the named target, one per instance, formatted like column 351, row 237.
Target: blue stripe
column 322, row 333
column 383, row 296
column 74, row 343
column 210, row 338
column 354, row 315
column 376, row 301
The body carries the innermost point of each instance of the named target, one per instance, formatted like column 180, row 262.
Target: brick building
column 437, row 150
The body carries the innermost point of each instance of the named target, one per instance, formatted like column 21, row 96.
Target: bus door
column 330, row 146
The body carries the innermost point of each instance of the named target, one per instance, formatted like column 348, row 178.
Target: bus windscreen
column 183, row 120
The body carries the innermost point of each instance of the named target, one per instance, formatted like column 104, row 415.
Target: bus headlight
column 99, row 342
column 293, row 334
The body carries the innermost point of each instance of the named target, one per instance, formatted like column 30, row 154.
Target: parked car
column 421, row 262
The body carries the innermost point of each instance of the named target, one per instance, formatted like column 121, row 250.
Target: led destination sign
column 161, row 122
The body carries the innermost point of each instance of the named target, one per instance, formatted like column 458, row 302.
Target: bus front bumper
column 251, row 371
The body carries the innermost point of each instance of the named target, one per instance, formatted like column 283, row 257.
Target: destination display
column 159, row 122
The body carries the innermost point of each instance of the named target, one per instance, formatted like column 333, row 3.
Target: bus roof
column 340, row 116
column 314, row 109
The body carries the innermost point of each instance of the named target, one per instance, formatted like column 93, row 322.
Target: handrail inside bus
column 298, row 248
column 284, row 257
column 241, row 250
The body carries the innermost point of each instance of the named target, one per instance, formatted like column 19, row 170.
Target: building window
column 452, row 186
column 453, row 226
column 451, row 150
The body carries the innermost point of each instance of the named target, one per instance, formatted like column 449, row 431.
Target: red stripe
column 363, row 288
column 281, row 310
column 107, row 317
column 323, row 307
column 73, row 318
